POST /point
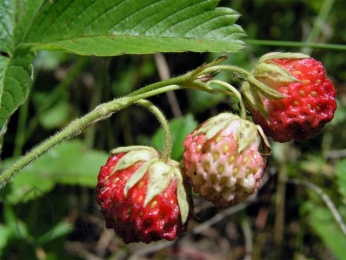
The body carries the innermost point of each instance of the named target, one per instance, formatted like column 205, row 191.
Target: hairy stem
column 234, row 92
column 164, row 124
column 75, row 128
column 105, row 110
column 231, row 68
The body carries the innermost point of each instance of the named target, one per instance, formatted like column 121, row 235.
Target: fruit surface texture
column 308, row 105
column 222, row 159
column 141, row 197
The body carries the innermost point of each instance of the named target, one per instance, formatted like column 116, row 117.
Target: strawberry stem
column 233, row 69
column 233, row 92
column 76, row 127
column 164, row 124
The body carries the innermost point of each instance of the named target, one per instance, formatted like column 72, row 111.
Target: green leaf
column 3, row 238
column 325, row 226
column 179, row 128
column 62, row 228
column 69, row 163
column 200, row 101
column 23, row 184
column 15, row 80
column 15, row 227
column 7, row 26
column 15, row 18
column 15, row 59
column 107, row 28
column 55, row 116
column 341, row 178
column 104, row 28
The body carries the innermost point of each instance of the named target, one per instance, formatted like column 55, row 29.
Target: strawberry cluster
column 146, row 198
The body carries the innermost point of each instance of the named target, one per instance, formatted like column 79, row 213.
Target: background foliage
column 49, row 209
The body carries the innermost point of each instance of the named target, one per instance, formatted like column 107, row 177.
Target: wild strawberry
column 309, row 96
column 141, row 197
column 222, row 159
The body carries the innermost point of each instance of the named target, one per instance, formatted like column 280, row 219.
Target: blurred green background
column 48, row 211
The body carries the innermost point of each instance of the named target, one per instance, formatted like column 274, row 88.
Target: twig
column 78, row 249
column 326, row 200
column 335, row 154
column 102, row 244
column 151, row 249
column 218, row 217
column 280, row 206
column 248, row 238
column 163, row 69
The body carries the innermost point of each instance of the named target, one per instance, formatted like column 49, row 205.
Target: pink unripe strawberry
column 222, row 159
column 142, row 197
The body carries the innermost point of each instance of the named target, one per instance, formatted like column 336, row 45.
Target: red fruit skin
column 131, row 221
column 308, row 106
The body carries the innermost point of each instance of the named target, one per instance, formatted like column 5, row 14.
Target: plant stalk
column 76, row 127
column 234, row 92
column 164, row 124
column 105, row 110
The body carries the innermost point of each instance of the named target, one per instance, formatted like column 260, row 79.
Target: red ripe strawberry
column 141, row 197
column 222, row 159
column 309, row 101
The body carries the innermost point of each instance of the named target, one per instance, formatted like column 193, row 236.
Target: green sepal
column 246, row 134
column 199, row 77
column 160, row 176
column 182, row 196
column 199, row 70
column 282, row 55
column 264, row 89
column 252, row 100
column 266, row 149
column 215, row 124
column 273, row 72
column 125, row 149
column 199, row 85
column 137, row 175
column 133, row 155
